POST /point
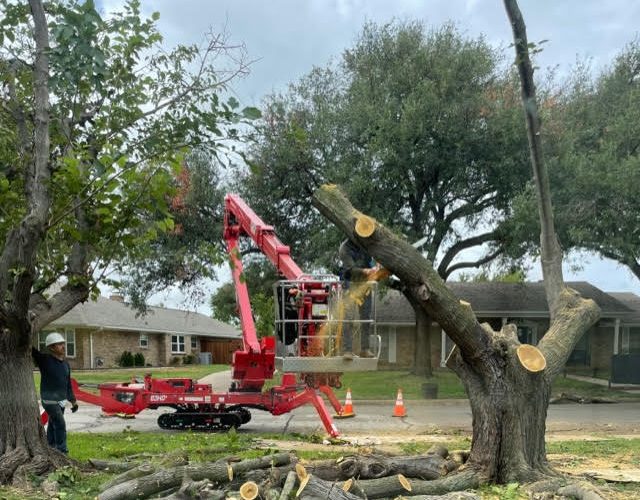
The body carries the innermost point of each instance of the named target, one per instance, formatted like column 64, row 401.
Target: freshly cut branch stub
column 249, row 490
column 404, row 482
column 230, row 472
column 531, row 358
column 303, row 484
column 365, row 226
column 301, row 471
column 347, row 484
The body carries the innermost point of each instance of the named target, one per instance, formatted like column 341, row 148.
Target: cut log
column 313, row 487
column 112, row 466
column 249, row 491
column 365, row 226
column 390, row 486
column 531, row 358
column 140, row 471
column 458, row 495
column 431, row 466
column 167, row 478
column 438, row 449
column 460, row 456
column 289, row 484
column 576, row 398
column 195, row 489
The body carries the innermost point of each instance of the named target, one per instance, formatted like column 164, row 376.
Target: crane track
column 204, row 421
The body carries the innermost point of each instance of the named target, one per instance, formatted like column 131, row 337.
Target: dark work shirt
column 55, row 380
column 354, row 261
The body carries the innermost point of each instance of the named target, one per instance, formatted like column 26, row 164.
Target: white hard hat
column 53, row 338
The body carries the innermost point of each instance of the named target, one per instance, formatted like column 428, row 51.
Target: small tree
column 95, row 116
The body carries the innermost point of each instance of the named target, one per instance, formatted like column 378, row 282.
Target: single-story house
column 98, row 332
column 630, row 337
column 616, row 332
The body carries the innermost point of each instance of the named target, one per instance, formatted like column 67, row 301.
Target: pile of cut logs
column 283, row 476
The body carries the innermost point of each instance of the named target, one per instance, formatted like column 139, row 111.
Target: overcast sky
column 286, row 38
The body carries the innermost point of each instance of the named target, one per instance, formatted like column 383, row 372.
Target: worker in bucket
column 55, row 389
column 357, row 267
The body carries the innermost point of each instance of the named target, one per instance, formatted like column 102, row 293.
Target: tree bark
column 23, row 444
column 390, row 486
column 422, row 360
column 374, row 466
column 161, row 480
column 509, row 402
column 551, row 253
column 312, row 488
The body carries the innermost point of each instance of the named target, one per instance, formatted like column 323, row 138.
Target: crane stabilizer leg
column 327, row 391
column 327, row 421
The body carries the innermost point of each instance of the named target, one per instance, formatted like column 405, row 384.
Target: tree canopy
column 594, row 165
column 418, row 126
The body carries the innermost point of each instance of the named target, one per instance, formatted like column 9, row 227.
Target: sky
column 287, row 38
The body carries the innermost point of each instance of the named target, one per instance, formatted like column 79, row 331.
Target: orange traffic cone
column 347, row 409
column 399, row 410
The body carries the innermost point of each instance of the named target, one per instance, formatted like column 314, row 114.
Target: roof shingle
column 115, row 315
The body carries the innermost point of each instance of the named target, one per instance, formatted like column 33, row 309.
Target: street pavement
column 375, row 417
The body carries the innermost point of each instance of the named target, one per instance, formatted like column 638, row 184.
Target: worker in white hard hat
column 55, row 389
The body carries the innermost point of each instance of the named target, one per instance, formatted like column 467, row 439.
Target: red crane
column 304, row 318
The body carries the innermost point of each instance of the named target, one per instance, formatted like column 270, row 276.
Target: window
column 177, row 344
column 144, row 340
column 194, row 342
column 632, row 344
column 70, row 341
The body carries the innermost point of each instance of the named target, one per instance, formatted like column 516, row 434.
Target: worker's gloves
column 74, row 407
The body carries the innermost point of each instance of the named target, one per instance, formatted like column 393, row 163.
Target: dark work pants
column 364, row 313
column 57, row 428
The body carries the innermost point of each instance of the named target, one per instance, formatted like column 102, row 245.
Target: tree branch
column 477, row 263
column 551, row 253
column 415, row 272
column 574, row 317
column 459, row 246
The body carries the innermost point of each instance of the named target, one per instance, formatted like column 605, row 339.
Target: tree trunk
column 509, row 411
column 422, row 366
column 23, row 444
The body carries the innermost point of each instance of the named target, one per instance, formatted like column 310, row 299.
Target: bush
column 175, row 361
column 138, row 359
column 126, row 359
column 189, row 359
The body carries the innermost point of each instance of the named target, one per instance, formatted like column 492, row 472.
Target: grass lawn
column 385, row 384
column 363, row 385
column 166, row 448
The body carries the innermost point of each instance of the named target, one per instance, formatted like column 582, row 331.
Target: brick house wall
column 601, row 340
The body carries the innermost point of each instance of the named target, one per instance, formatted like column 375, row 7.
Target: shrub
column 138, row 359
column 175, row 361
column 126, row 359
column 189, row 359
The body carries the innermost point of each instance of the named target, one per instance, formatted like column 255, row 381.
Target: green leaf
column 251, row 113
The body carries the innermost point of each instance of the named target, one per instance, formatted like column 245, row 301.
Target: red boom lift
column 308, row 318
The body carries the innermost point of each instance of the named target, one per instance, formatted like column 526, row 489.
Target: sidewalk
column 630, row 388
column 220, row 381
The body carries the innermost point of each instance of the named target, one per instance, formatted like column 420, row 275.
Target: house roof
column 632, row 301
column 111, row 314
column 494, row 299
